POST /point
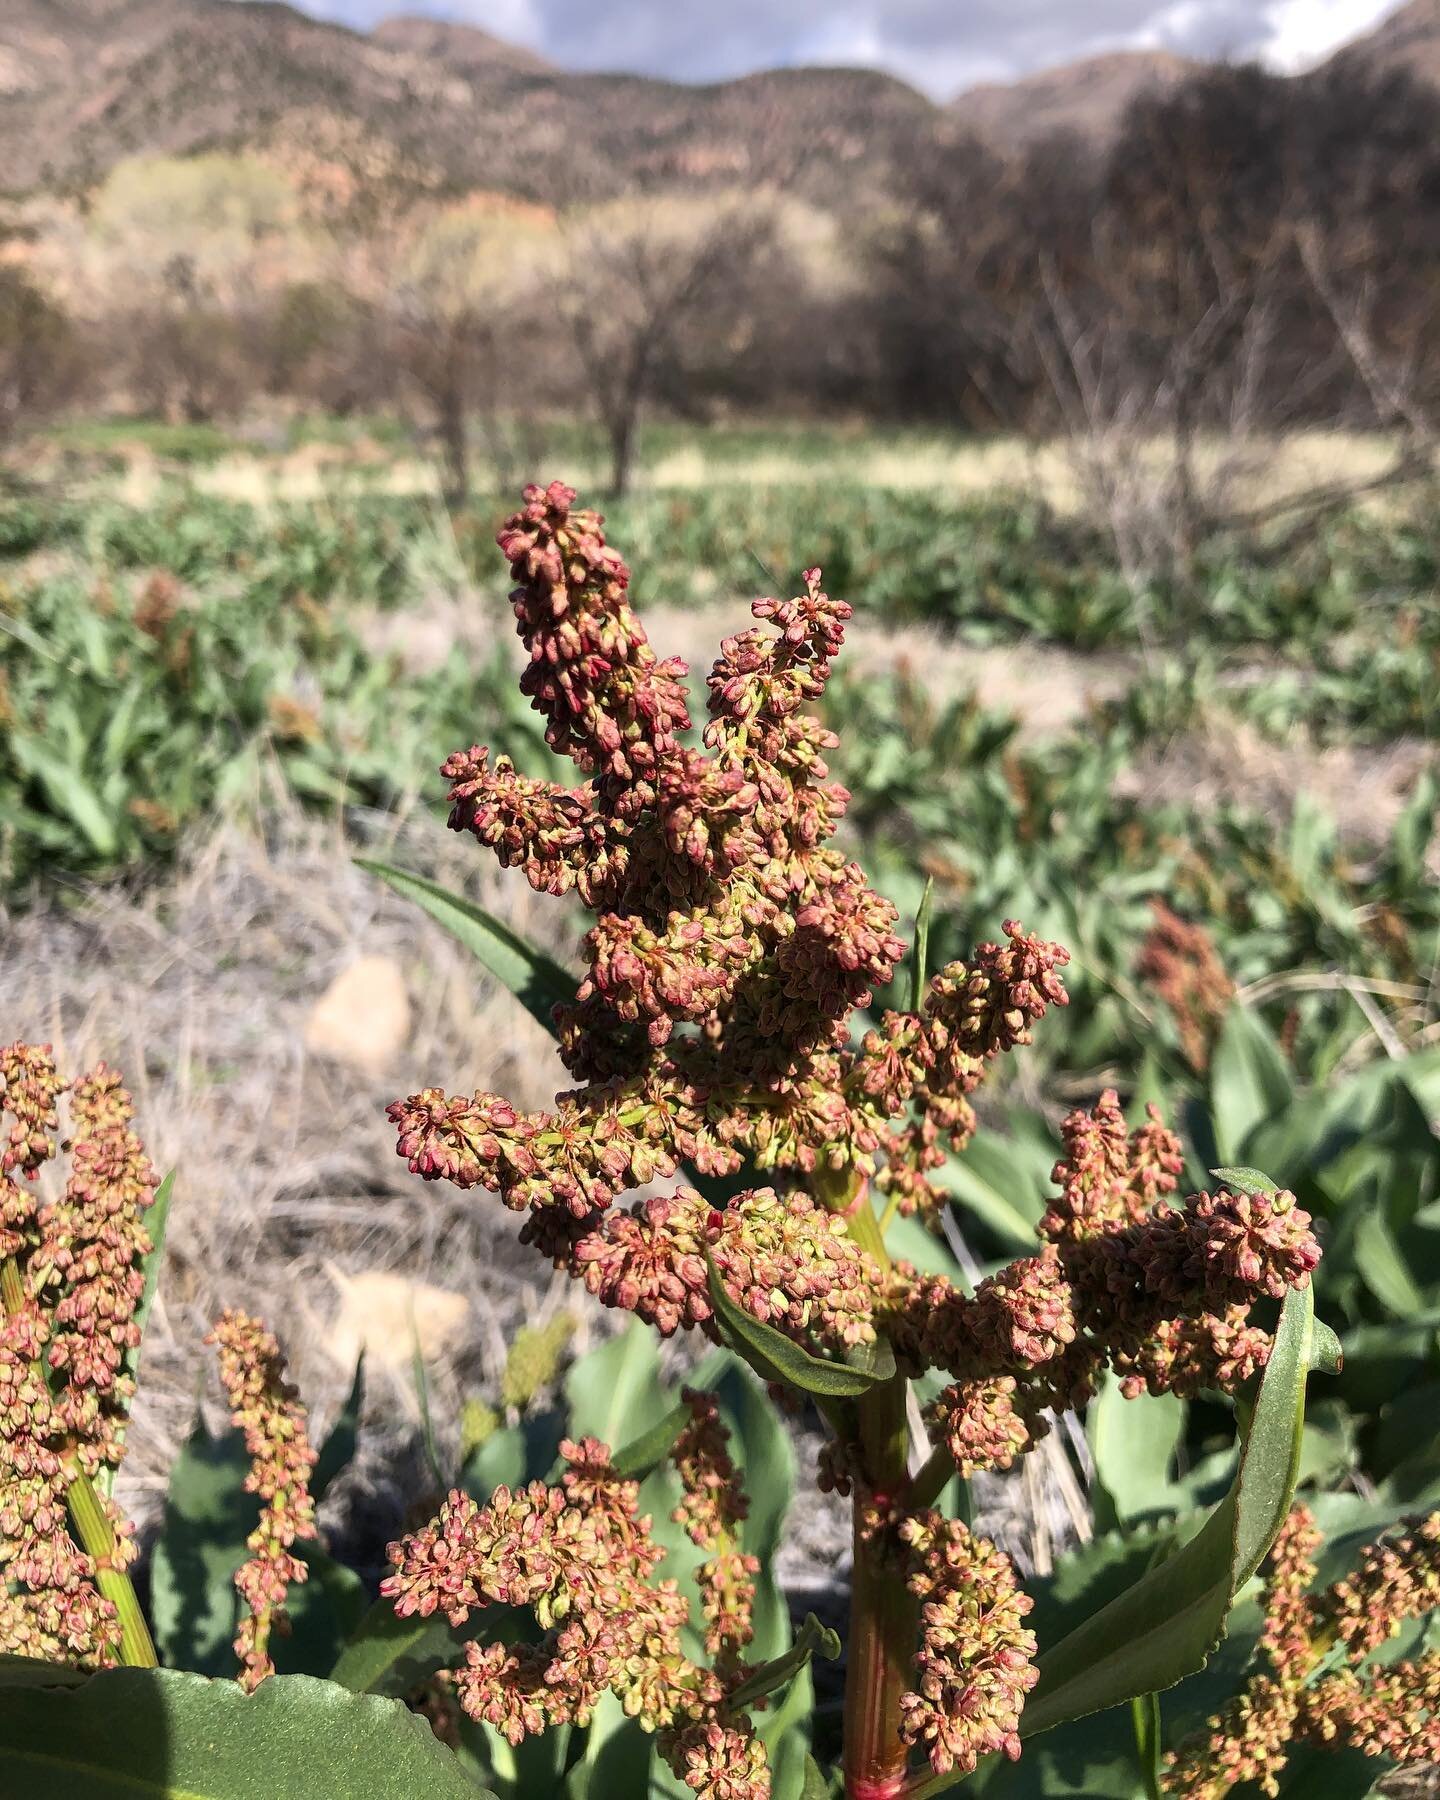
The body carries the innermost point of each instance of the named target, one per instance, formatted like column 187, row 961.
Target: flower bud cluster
column 1179, row 963
column 72, row 1282
column 976, row 1659
column 1297, row 1694
column 1159, row 1293
column 784, row 1260
column 263, row 1404
column 712, row 1509
column 583, row 1560
column 971, row 1014
column 730, row 947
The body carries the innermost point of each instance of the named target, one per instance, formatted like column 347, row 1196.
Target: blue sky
column 940, row 45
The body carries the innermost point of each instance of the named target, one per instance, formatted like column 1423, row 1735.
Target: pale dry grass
column 287, row 1182
column 959, row 469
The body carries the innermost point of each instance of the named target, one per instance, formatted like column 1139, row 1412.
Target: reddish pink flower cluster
column 730, row 948
column 1161, row 1294
column 786, row 1261
column 71, row 1282
column 712, row 1510
column 1296, row 1694
column 1179, row 963
column 975, row 1662
column 265, row 1407
column 1383, row 1710
column 712, row 1029
column 584, row 1561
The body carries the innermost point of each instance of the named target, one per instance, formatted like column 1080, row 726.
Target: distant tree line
column 1248, row 255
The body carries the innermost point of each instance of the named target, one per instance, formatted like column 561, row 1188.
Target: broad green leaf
column 817, row 1785
column 194, row 1607
column 390, row 1655
column 338, row 1450
column 1249, row 1080
column 69, row 793
column 536, row 980
column 1133, row 1444
column 157, row 1221
column 1382, row 1267
column 1327, row 1355
column 208, row 1515
column 635, row 1460
column 129, row 1733
column 617, row 1759
column 1000, row 1197
column 775, row 1357
column 812, row 1639
column 1166, row 1625
column 614, row 1393
column 513, row 1455
column 1244, row 1181
column 29, row 1671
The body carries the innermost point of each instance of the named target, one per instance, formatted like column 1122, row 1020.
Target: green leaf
column 390, row 1655
column 1133, row 1444
column 775, row 1357
column 1327, row 1352
column 1245, row 1181
column 513, row 1455
column 157, row 1221
column 1382, row 1267
column 536, row 980
column 921, row 954
column 812, row 1639
column 1145, row 1712
column 338, row 1450
column 642, row 1454
column 422, row 1399
column 69, row 794
column 1249, row 1081
column 614, row 1390
column 135, row 1732
column 817, row 1786
column 29, row 1671
column 981, row 1182
column 1166, row 1625
column 618, row 1756
column 208, row 1515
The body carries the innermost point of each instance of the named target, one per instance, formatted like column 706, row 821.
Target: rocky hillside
column 420, row 105
column 84, row 83
column 1088, row 97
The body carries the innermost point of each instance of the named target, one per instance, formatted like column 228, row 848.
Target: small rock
column 363, row 1017
column 386, row 1315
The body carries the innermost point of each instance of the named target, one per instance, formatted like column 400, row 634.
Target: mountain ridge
column 420, row 104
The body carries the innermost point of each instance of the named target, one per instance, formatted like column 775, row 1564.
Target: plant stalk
column 883, row 1612
column 92, row 1526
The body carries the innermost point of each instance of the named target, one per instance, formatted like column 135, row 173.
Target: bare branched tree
column 658, row 295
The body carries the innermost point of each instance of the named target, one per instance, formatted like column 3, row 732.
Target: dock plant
column 750, row 1159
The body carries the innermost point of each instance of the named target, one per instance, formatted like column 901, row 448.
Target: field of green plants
column 1255, row 948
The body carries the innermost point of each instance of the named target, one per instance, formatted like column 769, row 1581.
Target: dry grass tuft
column 288, row 1189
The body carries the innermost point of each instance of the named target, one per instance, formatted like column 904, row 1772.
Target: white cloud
column 1301, row 32
column 941, row 46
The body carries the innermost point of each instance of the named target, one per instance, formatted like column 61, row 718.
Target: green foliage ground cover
column 159, row 665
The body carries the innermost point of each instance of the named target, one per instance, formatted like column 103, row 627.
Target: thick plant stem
column 93, row 1529
column 883, row 1612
